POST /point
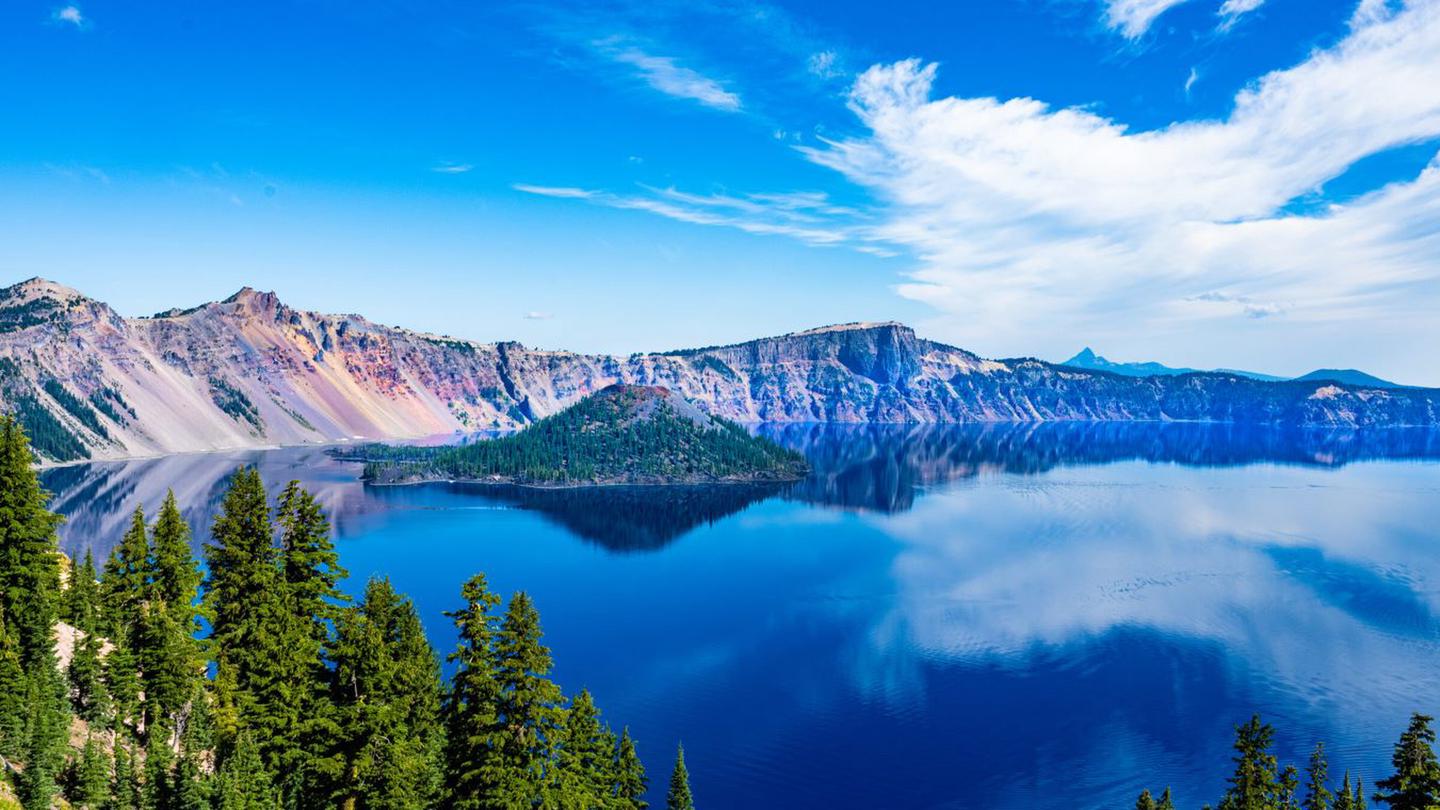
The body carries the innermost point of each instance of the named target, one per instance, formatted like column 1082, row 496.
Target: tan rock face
column 250, row 371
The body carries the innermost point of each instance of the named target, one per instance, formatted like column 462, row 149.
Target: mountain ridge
column 1087, row 358
column 251, row 371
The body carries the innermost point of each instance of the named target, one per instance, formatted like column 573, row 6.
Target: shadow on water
column 881, row 468
column 885, row 468
column 618, row 518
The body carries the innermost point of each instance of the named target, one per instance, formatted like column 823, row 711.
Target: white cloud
column 1073, row 219
column 452, row 168
column 824, row 64
column 1132, row 18
column 565, row 192
column 1191, row 80
column 1232, row 10
column 809, row 217
column 534, row 315
column 665, row 75
column 72, row 15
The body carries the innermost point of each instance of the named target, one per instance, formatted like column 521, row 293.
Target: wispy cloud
column 452, row 168
column 665, row 74
column 1072, row 218
column 809, row 217
column 825, row 64
column 72, row 15
column 1132, row 18
column 535, row 315
column 1232, row 10
column 1191, row 80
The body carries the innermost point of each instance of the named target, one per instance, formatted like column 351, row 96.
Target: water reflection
column 966, row 616
column 618, row 518
column 882, row 468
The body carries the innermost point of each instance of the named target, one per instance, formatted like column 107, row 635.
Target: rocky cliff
column 251, row 371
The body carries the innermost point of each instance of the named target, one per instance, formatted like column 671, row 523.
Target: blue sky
column 1241, row 183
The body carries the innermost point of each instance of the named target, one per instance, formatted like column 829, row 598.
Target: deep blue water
column 1001, row 617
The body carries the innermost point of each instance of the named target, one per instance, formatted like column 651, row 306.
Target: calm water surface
column 1002, row 617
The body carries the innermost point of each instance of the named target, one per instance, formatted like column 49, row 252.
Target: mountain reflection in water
column 881, row 468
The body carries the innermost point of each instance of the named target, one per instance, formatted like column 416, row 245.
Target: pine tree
column 1146, row 801
column 124, row 789
column 1345, row 800
column 125, row 584
column 29, row 552
column 469, row 710
column 13, row 714
column 91, row 785
column 82, row 596
column 190, row 787
column 1166, row 803
column 86, row 674
column 242, row 782
column 586, row 757
column 1359, row 800
column 122, row 682
column 1416, row 782
column 1317, row 775
column 678, row 797
column 311, row 567
column 529, row 708
column 1255, row 784
column 156, row 790
column 1289, row 785
column 44, row 751
column 386, row 742
column 171, row 660
column 630, row 781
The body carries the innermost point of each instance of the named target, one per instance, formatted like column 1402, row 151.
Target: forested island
column 622, row 434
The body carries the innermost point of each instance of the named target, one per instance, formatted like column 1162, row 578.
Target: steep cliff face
column 249, row 371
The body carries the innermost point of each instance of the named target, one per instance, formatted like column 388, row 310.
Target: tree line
column 1260, row 783
column 257, row 684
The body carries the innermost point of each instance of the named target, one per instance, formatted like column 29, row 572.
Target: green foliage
column 242, row 782
column 234, row 403
column 386, row 748
column 50, row 438
column 110, row 402
column 1415, row 784
column 678, row 796
column 620, row 434
column 1317, row 775
column 1255, row 785
column 630, row 781
column 585, row 759
column 29, row 552
column 74, row 406
column 90, row 781
column 469, row 710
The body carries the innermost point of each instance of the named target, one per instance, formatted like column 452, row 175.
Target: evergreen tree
column 311, row 567
column 529, row 708
column 242, row 782
column 125, row 789
column 630, row 781
column 171, row 660
column 91, row 783
column 678, row 797
column 586, row 758
column 122, row 682
column 1289, row 786
column 125, row 584
column 156, row 790
column 1416, row 782
column 29, row 552
column 1255, row 785
column 1359, row 800
column 44, row 752
column 1166, row 803
column 190, row 785
column 88, row 693
column 82, row 596
column 1317, row 775
column 13, row 688
column 1146, row 801
column 469, row 710
column 386, row 746
column 1345, row 800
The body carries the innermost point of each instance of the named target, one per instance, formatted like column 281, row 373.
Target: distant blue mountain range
column 1088, row 359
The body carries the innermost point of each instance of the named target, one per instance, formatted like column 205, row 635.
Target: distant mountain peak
column 37, row 287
